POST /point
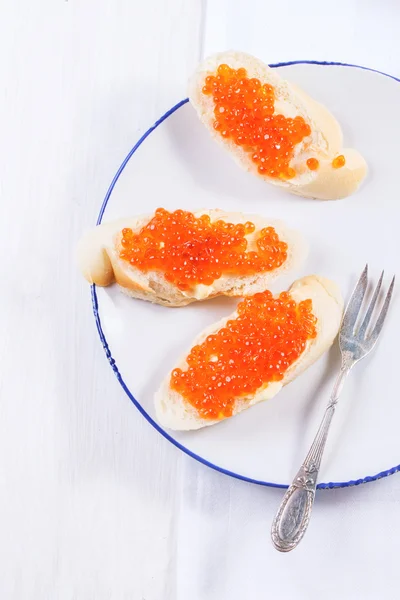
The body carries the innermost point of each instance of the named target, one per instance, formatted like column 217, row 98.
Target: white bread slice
column 98, row 258
column 174, row 412
column 324, row 144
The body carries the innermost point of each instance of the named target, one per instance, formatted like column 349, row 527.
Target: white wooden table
column 94, row 504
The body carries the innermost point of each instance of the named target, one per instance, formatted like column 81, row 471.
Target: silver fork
column 293, row 516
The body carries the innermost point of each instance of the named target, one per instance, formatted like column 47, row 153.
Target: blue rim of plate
column 95, row 305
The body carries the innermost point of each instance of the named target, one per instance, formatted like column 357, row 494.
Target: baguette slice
column 324, row 144
column 98, row 258
column 174, row 412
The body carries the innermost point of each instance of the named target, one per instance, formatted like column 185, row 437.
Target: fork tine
column 382, row 315
column 354, row 305
column 368, row 315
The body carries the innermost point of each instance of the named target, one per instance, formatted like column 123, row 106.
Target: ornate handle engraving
column 293, row 516
column 294, row 513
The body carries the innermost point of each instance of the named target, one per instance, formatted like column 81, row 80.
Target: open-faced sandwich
column 174, row 258
column 273, row 129
column 251, row 354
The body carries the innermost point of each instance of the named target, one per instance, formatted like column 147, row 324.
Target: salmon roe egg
column 252, row 350
column 312, row 164
column 244, row 112
column 192, row 250
column 338, row 162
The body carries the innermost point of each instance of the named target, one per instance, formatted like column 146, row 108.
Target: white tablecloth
column 94, row 504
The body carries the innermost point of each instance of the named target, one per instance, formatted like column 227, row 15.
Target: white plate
column 177, row 165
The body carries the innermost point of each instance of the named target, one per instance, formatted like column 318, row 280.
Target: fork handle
column 293, row 516
column 291, row 521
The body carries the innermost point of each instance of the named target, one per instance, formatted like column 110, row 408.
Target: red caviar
column 245, row 113
column 338, row 162
column 312, row 164
column 249, row 352
column 193, row 250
